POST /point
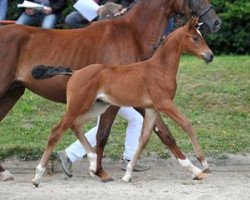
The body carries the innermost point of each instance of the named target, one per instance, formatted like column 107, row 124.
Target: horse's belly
column 53, row 89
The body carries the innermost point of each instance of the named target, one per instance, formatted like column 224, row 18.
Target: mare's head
column 202, row 9
column 193, row 42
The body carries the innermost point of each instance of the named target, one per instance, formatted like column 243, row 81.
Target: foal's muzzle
column 208, row 56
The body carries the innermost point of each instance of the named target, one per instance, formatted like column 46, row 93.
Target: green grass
column 214, row 97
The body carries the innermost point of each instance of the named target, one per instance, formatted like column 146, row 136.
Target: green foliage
column 234, row 35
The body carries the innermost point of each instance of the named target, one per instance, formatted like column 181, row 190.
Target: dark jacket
column 56, row 5
column 125, row 3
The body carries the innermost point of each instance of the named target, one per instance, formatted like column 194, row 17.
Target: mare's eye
column 195, row 38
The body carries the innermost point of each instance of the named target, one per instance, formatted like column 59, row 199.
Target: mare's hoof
column 6, row 176
column 107, row 179
column 200, row 176
column 104, row 176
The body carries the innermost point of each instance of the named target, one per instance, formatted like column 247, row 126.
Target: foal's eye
column 195, row 38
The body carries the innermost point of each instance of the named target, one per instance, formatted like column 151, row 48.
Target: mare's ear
column 193, row 22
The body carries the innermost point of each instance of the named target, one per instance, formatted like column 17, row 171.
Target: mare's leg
column 105, row 123
column 166, row 137
column 7, row 101
column 148, row 123
column 171, row 110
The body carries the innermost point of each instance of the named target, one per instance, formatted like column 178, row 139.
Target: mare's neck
column 149, row 19
column 168, row 55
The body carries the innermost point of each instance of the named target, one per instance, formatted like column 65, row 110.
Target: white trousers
column 76, row 151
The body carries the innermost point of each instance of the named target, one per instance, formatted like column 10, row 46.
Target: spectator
column 170, row 26
column 126, row 3
column 75, row 19
column 47, row 17
column 109, row 10
column 3, row 9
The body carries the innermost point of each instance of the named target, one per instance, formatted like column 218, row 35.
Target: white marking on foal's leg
column 187, row 164
column 6, row 176
column 156, row 129
column 128, row 174
column 39, row 173
column 92, row 163
column 205, row 165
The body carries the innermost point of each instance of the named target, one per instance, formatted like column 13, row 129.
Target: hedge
column 233, row 38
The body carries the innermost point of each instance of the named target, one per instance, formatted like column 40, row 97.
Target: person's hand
column 121, row 12
column 29, row 11
column 47, row 10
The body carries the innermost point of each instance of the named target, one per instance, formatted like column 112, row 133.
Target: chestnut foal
column 150, row 84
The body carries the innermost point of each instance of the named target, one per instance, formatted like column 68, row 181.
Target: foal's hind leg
column 171, row 110
column 5, row 175
column 105, row 123
column 55, row 136
column 89, row 150
column 148, row 123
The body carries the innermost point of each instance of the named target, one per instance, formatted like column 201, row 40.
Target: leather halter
column 194, row 12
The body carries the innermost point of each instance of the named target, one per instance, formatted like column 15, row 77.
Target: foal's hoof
column 92, row 173
column 35, row 183
column 6, row 176
column 200, row 176
column 126, row 179
column 207, row 170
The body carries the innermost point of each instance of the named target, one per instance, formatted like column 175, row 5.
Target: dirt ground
column 230, row 180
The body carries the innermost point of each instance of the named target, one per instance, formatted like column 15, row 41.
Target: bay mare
column 149, row 84
column 125, row 40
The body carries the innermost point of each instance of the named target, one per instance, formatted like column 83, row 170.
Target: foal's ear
column 193, row 22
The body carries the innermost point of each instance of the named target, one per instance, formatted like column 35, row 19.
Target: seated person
column 3, row 9
column 108, row 10
column 47, row 17
column 75, row 19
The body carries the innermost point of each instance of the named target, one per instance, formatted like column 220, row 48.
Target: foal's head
column 193, row 42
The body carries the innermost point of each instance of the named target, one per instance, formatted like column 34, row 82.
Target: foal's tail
column 43, row 72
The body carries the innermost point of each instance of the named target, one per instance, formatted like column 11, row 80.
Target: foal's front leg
column 171, row 110
column 148, row 123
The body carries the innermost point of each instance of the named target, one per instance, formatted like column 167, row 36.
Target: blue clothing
column 3, row 9
column 46, row 21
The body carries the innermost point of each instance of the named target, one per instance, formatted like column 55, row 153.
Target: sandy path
column 230, row 180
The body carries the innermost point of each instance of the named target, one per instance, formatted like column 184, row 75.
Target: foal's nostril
column 211, row 57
